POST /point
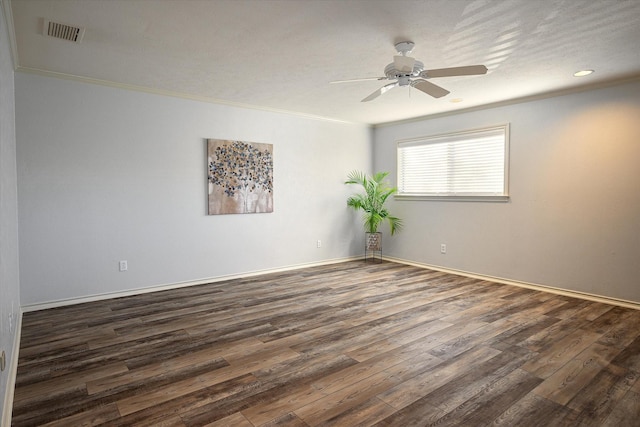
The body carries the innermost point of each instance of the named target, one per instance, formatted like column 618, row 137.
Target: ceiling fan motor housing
column 403, row 77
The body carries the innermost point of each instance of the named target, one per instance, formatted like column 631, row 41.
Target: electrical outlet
column 443, row 248
column 319, row 243
column 123, row 265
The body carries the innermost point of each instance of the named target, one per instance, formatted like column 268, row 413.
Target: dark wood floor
column 350, row 344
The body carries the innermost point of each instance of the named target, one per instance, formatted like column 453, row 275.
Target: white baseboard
column 7, row 407
column 164, row 287
column 533, row 286
column 559, row 291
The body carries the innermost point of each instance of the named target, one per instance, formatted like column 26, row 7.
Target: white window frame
column 453, row 137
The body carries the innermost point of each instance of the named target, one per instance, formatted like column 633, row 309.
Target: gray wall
column 106, row 174
column 9, row 277
column 573, row 219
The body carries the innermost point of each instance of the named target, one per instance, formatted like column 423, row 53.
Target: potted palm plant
column 372, row 203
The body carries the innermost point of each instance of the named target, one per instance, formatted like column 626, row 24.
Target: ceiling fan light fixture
column 582, row 73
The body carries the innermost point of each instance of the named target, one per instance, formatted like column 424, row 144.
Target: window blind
column 462, row 164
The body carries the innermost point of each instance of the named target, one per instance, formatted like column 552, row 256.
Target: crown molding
column 172, row 94
column 520, row 100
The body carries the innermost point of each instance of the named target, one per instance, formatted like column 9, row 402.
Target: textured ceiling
column 282, row 54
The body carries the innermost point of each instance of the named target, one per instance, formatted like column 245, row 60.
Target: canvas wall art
column 240, row 177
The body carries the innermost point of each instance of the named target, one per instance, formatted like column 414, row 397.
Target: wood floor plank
column 554, row 356
column 398, row 340
column 596, row 401
column 61, row 384
column 346, row 398
column 576, row 374
column 625, row 412
column 353, row 374
column 195, row 401
column 92, row 417
column 177, row 389
column 164, row 371
column 469, row 340
column 629, row 357
column 35, row 413
column 487, row 405
column 419, row 415
column 526, row 328
column 346, row 344
column 534, row 410
column 621, row 335
column 417, row 387
column 457, row 391
column 551, row 334
column 610, row 319
column 236, row 420
column 364, row 414
column 636, row 387
column 268, row 410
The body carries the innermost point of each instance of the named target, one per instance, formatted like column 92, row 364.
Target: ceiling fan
column 407, row 71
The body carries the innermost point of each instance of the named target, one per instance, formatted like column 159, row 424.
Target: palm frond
column 376, row 193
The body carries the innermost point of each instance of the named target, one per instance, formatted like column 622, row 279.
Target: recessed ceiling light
column 582, row 73
column 456, row 100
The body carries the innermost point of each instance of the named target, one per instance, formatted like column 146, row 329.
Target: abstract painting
column 240, row 177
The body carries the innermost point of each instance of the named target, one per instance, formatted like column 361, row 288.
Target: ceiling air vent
column 63, row 31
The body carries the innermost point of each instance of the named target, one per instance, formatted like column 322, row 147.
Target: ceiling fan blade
column 380, row 91
column 404, row 64
column 429, row 88
column 469, row 70
column 363, row 79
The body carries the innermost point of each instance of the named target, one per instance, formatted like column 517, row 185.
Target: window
column 469, row 165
